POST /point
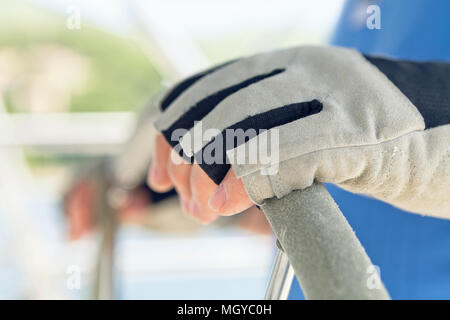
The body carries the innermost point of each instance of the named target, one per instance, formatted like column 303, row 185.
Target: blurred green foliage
column 121, row 77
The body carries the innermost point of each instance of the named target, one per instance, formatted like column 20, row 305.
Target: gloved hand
column 369, row 125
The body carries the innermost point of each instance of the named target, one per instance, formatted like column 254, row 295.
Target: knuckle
column 196, row 184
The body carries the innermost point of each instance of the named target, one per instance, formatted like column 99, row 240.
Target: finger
column 202, row 187
column 158, row 178
column 230, row 197
column 179, row 173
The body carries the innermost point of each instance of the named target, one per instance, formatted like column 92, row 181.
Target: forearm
column 423, row 180
column 412, row 172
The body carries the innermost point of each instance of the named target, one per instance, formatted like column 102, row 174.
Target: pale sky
column 224, row 17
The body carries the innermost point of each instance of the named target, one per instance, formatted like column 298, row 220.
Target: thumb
column 230, row 197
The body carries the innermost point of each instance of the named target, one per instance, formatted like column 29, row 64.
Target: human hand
column 200, row 197
column 337, row 118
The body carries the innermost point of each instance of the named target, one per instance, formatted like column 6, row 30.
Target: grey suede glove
column 369, row 125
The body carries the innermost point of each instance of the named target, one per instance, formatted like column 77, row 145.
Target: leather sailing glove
column 370, row 125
